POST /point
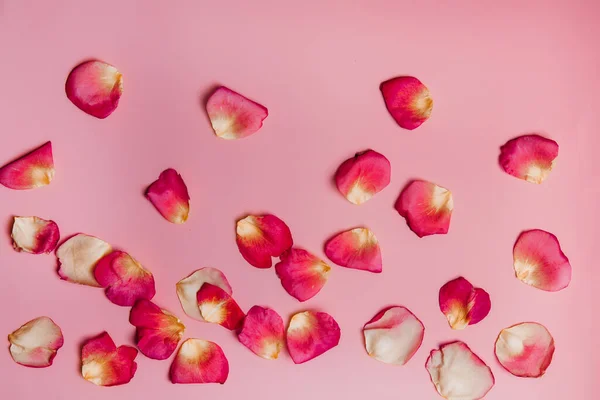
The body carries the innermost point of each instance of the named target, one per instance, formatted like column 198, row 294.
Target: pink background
column 495, row 70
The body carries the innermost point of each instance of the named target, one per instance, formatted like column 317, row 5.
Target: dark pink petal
column 263, row 332
column 311, row 334
column 529, row 157
column 78, row 256
column 357, row 248
column 218, row 307
column 407, row 100
column 34, row 235
column 188, row 287
column 170, row 196
column 463, row 304
column 33, row 170
column 35, row 344
column 426, row 207
column 302, row 274
column 105, row 364
column 260, row 237
column 361, row 177
column 199, row 361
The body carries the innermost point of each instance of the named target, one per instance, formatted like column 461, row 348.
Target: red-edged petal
column 170, row 196
column 540, row 262
column 463, row 304
column 525, row 349
column 426, row 207
column 34, row 235
column 78, row 256
column 35, row 344
column 199, row 361
column 529, row 157
column 302, row 274
column 311, row 334
column 157, row 332
column 218, row 307
column 394, row 335
column 408, row 101
column 357, row 248
column 263, row 332
column 260, row 237
column 362, row 176
column 105, row 364
column 234, row 116
column 95, row 87
column 33, row 170
column 458, row 374
column 188, row 287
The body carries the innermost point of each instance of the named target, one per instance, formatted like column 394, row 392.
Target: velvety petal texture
column 170, row 196
column 35, row 344
column 188, row 287
column 199, row 361
column 33, row 170
column 263, row 332
column 463, row 304
column 218, row 307
column 394, row 335
column 529, row 157
column 362, row 176
column 408, row 101
column 311, row 334
column 426, row 207
column 78, row 256
column 357, row 248
column 302, row 274
column 261, row 237
column 105, row 364
column 34, row 235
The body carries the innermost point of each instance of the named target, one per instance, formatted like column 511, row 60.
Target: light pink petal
column 35, row 344
column 458, row 374
column 199, row 361
column 95, row 87
column 311, row 334
column 105, row 364
column 529, row 157
column 463, row 304
column 234, row 116
column 260, row 237
column 302, row 274
column 361, row 177
column 426, row 207
column 170, row 196
column 540, row 262
column 188, row 287
column 525, row 349
column 33, row 170
column 407, row 100
column 357, row 248
column 34, row 235
column 78, row 256
column 263, row 332
column 218, row 307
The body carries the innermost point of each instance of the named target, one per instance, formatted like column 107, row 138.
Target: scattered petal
column 361, row 177
column 95, row 88
column 426, row 207
column 408, row 101
column 218, row 307
column 463, row 304
column 199, row 361
column 311, row 334
column 529, row 157
column 394, row 335
column 458, row 374
column 260, row 237
column 302, row 274
column 188, row 287
column 540, row 262
column 157, row 331
column 525, row 349
column 33, row 170
column 357, row 248
column 234, row 116
column 170, row 196
column 105, row 364
column 35, row 344
column 34, row 235
column 263, row 332
column 78, row 256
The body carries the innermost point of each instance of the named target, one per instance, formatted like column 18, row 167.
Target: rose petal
column 394, row 335
column 525, row 349
column 529, row 157
column 362, row 176
column 157, row 332
column 35, row 344
column 311, row 334
column 199, row 361
column 78, row 256
column 263, row 332
column 34, row 235
column 188, row 287
column 234, row 116
column 95, row 87
column 104, row 364
column 540, row 262
column 426, row 207
column 408, row 101
column 260, row 237
column 34, row 169
column 357, row 248
column 458, row 374
column 302, row 274
column 463, row 304
column 124, row 279
column 170, row 196
column 218, row 307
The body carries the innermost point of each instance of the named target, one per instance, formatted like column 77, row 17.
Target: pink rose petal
column 408, row 101
column 33, row 170
column 188, row 287
column 311, row 334
column 199, row 361
column 78, row 256
column 302, row 274
column 35, row 344
column 426, row 207
column 260, row 237
column 357, row 248
column 263, row 332
column 361, row 177
column 170, row 196
column 34, row 235
column 105, row 364
column 463, row 304
column 529, row 157
column 218, row 307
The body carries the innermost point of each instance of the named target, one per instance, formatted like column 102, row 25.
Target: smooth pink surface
column 495, row 69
